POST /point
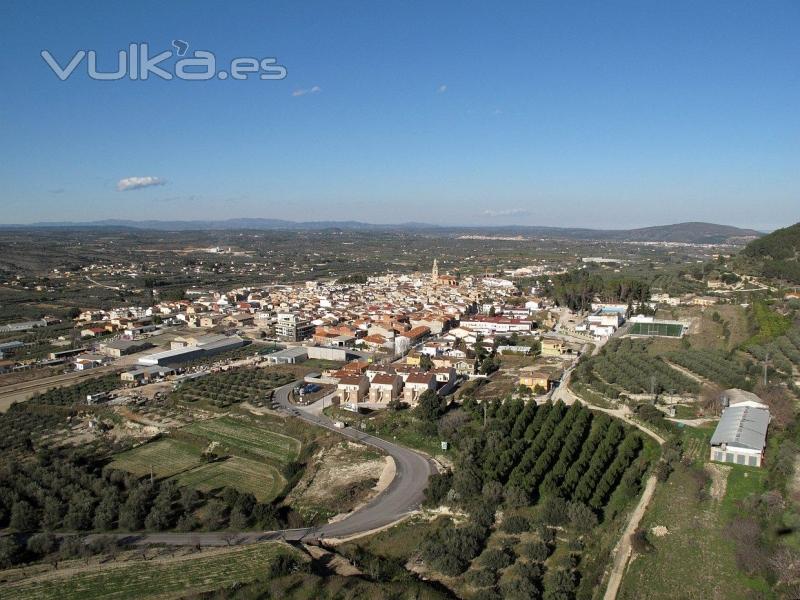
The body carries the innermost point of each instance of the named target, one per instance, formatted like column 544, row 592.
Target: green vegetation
column 232, row 387
column 782, row 354
column 182, row 576
column 775, row 255
column 162, row 457
column 247, row 476
column 578, row 289
column 241, row 435
column 697, row 542
column 766, row 323
column 546, row 466
column 624, row 365
column 714, row 365
column 76, row 394
column 246, row 455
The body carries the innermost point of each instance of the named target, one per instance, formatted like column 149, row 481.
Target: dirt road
column 622, row 552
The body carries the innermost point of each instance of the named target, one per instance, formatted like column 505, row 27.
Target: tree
column 497, row 558
column 215, row 514
column 425, row 362
column 52, row 513
column 42, row 544
column 23, row 516
column 431, row 406
column 452, row 423
column 439, row 485
column 516, row 524
column 537, row 551
column 10, row 551
column 581, row 518
column 468, row 481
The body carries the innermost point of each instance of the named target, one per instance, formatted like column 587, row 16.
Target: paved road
column 402, row 496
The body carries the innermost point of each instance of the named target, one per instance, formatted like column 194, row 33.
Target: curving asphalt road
column 403, row 495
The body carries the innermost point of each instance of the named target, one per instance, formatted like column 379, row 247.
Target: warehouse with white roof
column 741, row 435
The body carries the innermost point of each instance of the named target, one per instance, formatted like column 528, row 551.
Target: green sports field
column 658, row 329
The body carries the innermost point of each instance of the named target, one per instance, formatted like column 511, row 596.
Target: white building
column 741, row 434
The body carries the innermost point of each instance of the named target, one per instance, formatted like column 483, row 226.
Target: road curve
column 403, row 495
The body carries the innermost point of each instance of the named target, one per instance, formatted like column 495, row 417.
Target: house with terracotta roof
column 385, row 387
column 417, row 333
column 406, row 370
column 378, row 369
column 417, row 384
column 352, row 389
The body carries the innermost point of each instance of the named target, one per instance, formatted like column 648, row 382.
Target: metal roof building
column 741, row 435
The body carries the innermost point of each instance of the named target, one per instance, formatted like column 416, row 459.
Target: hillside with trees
column 775, row 255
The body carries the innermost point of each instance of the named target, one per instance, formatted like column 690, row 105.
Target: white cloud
column 135, row 183
column 441, row 89
column 505, row 212
column 314, row 89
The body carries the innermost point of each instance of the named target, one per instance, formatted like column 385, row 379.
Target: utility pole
column 766, row 364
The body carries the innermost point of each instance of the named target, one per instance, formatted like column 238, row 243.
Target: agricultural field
column 657, row 329
column 76, row 394
column 251, row 457
column 625, row 366
column 244, row 437
column 225, row 388
column 248, row 476
column 687, row 523
column 157, row 578
column 782, row 353
column 563, row 478
column 163, row 457
column 713, row 365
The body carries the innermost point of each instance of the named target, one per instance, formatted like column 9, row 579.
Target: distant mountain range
column 693, row 232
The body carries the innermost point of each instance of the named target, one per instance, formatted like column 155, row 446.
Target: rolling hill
column 776, row 255
column 693, row 233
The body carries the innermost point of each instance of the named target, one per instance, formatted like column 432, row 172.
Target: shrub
column 516, row 524
column 496, row 558
column 482, row 578
column 537, row 551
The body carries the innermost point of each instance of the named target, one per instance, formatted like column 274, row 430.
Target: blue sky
column 596, row 114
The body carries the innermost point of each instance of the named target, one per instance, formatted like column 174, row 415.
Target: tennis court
column 657, row 329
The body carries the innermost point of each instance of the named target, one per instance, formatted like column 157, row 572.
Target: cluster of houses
column 360, row 383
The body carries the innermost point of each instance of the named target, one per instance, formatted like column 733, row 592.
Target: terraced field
column 260, row 479
column 165, row 457
column 174, row 578
column 237, row 434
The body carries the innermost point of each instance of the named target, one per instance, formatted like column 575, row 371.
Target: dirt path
column 687, row 372
column 622, row 552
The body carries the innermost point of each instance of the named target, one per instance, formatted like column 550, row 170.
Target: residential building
column 292, row 328
column 417, row 384
column 352, row 389
column 385, row 388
